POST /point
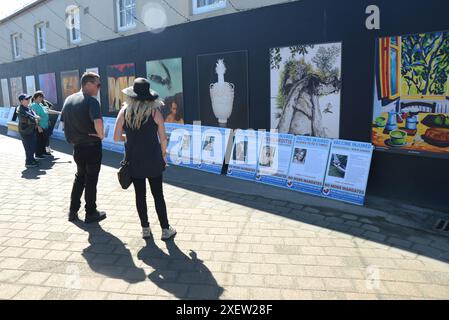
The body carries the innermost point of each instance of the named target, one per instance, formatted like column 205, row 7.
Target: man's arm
column 95, row 115
column 99, row 129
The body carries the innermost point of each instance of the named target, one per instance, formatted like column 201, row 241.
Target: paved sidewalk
column 236, row 240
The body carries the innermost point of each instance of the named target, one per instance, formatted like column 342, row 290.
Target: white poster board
column 31, row 85
column 214, row 142
column 308, row 164
column 244, row 155
column 5, row 93
column 347, row 171
column 108, row 141
column 274, row 158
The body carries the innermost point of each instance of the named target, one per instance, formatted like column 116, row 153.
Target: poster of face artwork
column 70, row 81
column 47, row 84
column 223, row 89
column 31, row 85
column 165, row 78
column 214, row 143
column 305, row 89
column 6, row 102
column 120, row 77
column 411, row 105
column 16, row 89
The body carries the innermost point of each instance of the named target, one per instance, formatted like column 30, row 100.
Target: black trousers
column 88, row 162
column 29, row 144
column 42, row 141
column 159, row 202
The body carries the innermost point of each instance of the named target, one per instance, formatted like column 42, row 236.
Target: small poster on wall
column 170, row 128
column 411, row 104
column 16, row 89
column 214, row 143
column 274, row 158
column 108, row 142
column 305, row 89
column 47, row 84
column 181, row 149
column 244, row 155
column 70, row 81
column 308, row 164
column 31, row 84
column 6, row 102
column 223, row 89
column 120, row 77
column 165, row 78
column 97, row 71
column 347, row 171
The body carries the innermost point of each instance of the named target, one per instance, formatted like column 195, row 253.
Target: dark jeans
column 88, row 163
column 29, row 143
column 159, row 202
column 42, row 139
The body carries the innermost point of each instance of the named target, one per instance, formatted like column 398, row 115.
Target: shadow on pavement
column 181, row 275
column 101, row 242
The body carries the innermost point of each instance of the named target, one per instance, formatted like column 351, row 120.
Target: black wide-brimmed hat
column 141, row 90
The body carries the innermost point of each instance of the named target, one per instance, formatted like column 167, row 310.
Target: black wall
column 416, row 179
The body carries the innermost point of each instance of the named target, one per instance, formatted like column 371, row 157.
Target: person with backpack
column 28, row 121
column 142, row 122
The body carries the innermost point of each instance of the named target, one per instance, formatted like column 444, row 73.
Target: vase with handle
column 222, row 95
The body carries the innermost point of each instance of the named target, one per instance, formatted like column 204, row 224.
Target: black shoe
column 39, row 157
column 73, row 216
column 32, row 165
column 46, row 154
column 95, row 217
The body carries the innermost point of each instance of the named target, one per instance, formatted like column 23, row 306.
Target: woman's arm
column 118, row 131
column 50, row 111
column 159, row 119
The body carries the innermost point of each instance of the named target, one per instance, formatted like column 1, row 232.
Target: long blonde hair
column 138, row 112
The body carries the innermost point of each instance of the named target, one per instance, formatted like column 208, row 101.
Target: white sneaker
column 146, row 233
column 48, row 150
column 168, row 233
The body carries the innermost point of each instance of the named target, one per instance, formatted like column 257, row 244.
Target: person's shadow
column 186, row 277
column 41, row 170
column 103, row 247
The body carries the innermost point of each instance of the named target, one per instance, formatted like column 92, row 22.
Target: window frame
column 208, row 8
column 16, row 46
column 75, row 16
column 121, row 28
column 41, row 26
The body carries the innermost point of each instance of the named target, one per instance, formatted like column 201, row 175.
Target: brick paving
column 236, row 240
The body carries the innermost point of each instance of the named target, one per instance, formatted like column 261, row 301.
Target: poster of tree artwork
column 411, row 106
column 305, row 89
column 119, row 77
column 165, row 77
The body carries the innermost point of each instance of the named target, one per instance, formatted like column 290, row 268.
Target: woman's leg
column 40, row 144
column 141, row 201
column 159, row 202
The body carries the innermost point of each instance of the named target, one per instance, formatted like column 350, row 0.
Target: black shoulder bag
column 124, row 176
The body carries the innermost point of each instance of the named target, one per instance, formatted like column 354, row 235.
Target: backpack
column 26, row 126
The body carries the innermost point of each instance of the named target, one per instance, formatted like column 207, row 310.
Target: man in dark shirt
column 83, row 128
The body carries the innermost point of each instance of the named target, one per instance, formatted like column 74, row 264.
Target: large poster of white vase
column 223, row 89
column 306, row 89
column 165, row 77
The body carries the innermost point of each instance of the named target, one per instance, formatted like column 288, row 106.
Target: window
column 202, row 6
column 390, row 53
column 126, row 11
column 40, row 38
column 15, row 45
column 74, row 24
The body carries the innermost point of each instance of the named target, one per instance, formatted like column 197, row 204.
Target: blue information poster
column 274, row 158
column 181, row 148
column 347, row 171
column 214, row 142
column 244, row 155
column 308, row 164
column 108, row 141
column 58, row 131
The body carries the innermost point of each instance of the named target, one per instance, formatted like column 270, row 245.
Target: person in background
column 27, row 123
column 146, row 148
column 43, row 112
column 83, row 128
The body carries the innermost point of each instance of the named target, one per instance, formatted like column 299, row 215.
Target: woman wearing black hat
column 145, row 149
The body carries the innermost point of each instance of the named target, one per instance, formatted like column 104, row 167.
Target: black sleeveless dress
column 143, row 150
